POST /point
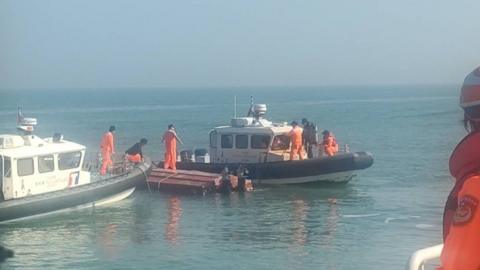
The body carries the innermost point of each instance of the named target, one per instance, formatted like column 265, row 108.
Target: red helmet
column 470, row 95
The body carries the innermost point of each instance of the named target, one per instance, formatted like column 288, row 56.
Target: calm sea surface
column 380, row 218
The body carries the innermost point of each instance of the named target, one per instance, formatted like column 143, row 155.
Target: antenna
column 250, row 111
column 20, row 116
column 235, row 106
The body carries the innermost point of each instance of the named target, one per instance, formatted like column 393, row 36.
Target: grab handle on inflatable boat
column 419, row 257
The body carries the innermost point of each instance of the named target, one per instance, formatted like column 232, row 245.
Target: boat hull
column 96, row 193
column 337, row 169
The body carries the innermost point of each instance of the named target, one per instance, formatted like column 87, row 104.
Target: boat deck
column 183, row 181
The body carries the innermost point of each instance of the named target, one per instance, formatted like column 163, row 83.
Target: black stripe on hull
column 291, row 169
column 76, row 196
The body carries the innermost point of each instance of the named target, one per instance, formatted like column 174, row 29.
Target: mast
column 250, row 111
column 235, row 106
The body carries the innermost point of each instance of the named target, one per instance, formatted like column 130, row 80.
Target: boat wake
column 388, row 220
column 424, row 226
column 361, row 216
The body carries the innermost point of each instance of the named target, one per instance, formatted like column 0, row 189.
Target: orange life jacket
column 461, row 221
column 170, row 139
column 296, row 135
column 107, row 144
column 330, row 145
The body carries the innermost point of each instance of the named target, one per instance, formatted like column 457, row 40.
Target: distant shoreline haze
column 360, row 87
column 121, row 43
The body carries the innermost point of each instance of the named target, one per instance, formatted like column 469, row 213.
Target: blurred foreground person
column 461, row 222
column 170, row 137
column 5, row 254
column 134, row 154
column 107, row 148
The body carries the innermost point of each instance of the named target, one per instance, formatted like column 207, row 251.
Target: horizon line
column 227, row 87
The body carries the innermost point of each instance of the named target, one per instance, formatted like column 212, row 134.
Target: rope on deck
column 159, row 182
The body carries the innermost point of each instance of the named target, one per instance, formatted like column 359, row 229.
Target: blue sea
column 383, row 215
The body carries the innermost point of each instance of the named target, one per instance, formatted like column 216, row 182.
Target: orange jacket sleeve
column 111, row 142
column 108, row 143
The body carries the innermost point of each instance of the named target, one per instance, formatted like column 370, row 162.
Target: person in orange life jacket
column 296, row 141
column 330, row 146
column 461, row 218
column 107, row 149
column 170, row 137
column 309, row 136
column 134, row 154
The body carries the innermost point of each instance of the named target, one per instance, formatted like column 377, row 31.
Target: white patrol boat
column 263, row 148
column 39, row 176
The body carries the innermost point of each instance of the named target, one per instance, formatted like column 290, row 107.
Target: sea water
column 384, row 214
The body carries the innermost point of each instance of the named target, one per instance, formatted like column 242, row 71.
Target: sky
column 60, row 44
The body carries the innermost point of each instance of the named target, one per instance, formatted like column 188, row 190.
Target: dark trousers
column 309, row 148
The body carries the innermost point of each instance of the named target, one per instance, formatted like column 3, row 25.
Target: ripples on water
column 378, row 220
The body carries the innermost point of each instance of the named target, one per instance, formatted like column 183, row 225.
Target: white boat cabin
column 250, row 140
column 30, row 165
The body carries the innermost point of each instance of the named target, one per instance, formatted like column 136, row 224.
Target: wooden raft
column 183, row 181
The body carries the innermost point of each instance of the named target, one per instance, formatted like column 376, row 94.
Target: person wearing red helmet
column 461, row 219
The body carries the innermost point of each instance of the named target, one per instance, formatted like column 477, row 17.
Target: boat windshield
column 5, row 171
column 7, row 167
column 281, row 142
column 1, row 177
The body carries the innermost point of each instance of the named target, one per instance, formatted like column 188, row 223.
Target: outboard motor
column 201, row 156
column 241, row 174
column 186, row 156
column 225, row 184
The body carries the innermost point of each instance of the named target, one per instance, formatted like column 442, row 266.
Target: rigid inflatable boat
column 337, row 169
column 263, row 148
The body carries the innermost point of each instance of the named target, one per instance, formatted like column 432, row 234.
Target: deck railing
column 420, row 257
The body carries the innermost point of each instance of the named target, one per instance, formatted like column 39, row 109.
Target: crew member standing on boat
column 107, row 148
column 296, row 139
column 134, row 153
column 309, row 136
column 461, row 219
column 170, row 137
column 330, row 146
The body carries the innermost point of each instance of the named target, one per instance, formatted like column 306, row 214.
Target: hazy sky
column 216, row 43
